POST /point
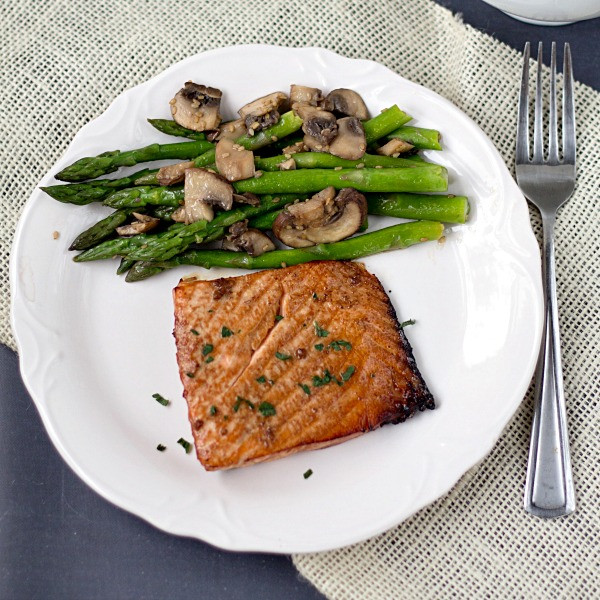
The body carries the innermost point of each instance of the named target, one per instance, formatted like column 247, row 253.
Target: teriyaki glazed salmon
column 292, row 359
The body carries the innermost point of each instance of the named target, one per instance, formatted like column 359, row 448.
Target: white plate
column 94, row 349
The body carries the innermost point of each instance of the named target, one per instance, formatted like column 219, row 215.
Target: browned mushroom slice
column 142, row 224
column 262, row 112
column 394, row 147
column 244, row 239
column 296, row 147
column 323, row 219
column 231, row 130
column 287, row 165
column 197, row 107
column 346, row 102
column 173, row 173
column 178, row 215
column 305, row 95
column 247, row 198
column 320, row 127
column 202, row 190
column 350, row 142
column 233, row 161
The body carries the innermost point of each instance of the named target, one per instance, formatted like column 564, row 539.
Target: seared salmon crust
column 291, row 359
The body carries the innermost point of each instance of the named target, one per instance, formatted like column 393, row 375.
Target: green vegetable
column 172, row 128
column 266, row 409
column 91, row 167
column 305, row 388
column 384, row 123
column 137, row 197
column 161, row 400
column 288, row 123
column 213, row 410
column 282, row 356
column 161, row 448
column 209, row 359
column 320, row 331
column 407, row 323
column 443, row 208
column 185, row 444
column 239, row 401
column 348, row 373
column 319, row 347
column 424, row 139
column 100, row 230
column 194, row 331
column 278, row 317
column 308, row 473
column 339, row 344
column 261, row 379
column 226, row 332
column 207, row 349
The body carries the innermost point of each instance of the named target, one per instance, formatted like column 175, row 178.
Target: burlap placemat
column 63, row 62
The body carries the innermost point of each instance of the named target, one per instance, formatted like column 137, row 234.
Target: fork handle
column 549, row 485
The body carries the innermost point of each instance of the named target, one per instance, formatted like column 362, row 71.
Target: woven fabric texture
column 63, row 62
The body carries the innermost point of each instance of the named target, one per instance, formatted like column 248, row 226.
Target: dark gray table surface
column 58, row 539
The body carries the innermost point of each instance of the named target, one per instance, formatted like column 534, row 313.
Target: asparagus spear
column 178, row 237
column 92, row 191
column 100, row 230
column 384, row 123
column 417, row 179
column 172, row 128
column 444, row 208
column 288, row 123
column 136, row 197
column 124, row 265
column 424, row 139
column 322, row 160
column 390, row 238
column 94, row 166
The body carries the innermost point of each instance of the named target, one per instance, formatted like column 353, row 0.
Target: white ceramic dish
column 549, row 12
column 94, row 349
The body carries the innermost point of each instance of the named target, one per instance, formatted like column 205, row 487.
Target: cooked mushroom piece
column 173, row 173
column 347, row 102
column 320, row 127
column 322, row 219
column 305, row 95
column 244, row 239
column 196, row 107
column 394, row 147
column 350, row 142
column 231, row 130
column 262, row 112
column 178, row 215
column 287, row 165
column 142, row 224
column 203, row 190
column 233, row 161
column 247, row 198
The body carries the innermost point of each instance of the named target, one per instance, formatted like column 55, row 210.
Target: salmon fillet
column 291, row 359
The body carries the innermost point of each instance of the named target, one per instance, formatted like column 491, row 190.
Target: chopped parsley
column 161, row 448
column 190, row 375
column 320, row 331
column 185, row 445
column 339, row 344
column 266, row 409
column 210, row 310
column 261, row 379
column 305, row 388
column 319, row 347
column 282, row 356
column 319, row 381
column 308, row 473
column 278, row 317
column 226, row 332
column 161, row 400
column 239, row 401
column 315, row 297
column 213, row 410
column 194, row 332
column 348, row 373
column 209, row 359
column 207, row 349
column 407, row 323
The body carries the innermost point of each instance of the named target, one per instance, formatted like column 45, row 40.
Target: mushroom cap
column 347, row 102
column 247, row 198
column 263, row 105
column 233, row 161
column 203, row 190
column 250, row 240
column 173, row 173
column 196, row 107
column 395, row 146
column 142, row 224
column 350, row 142
column 318, row 125
column 302, row 94
column 323, row 219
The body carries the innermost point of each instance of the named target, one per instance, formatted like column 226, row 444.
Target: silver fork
column 548, row 183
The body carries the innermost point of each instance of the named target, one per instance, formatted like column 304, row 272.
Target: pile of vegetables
column 302, row 170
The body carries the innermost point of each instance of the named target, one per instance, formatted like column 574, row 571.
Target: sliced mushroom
column 202, row 190
column 178, row 215
column 262, row 112
column 233, row 161
column 346, row 102
column 350, row 142
column 305, row 95
column 287, row 165
column 247, row 198
column 322, row 219
column 231, row 130
column 320, row 127
column 142, row 224
column 394, row 147
column 173, row 173
column 244, row 239
column 197, row 107
column 299, row 146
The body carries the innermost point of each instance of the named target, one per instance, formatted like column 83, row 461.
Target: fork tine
column 523, row 112
column 568, row 115
column 552, row 124
column 538, row 126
